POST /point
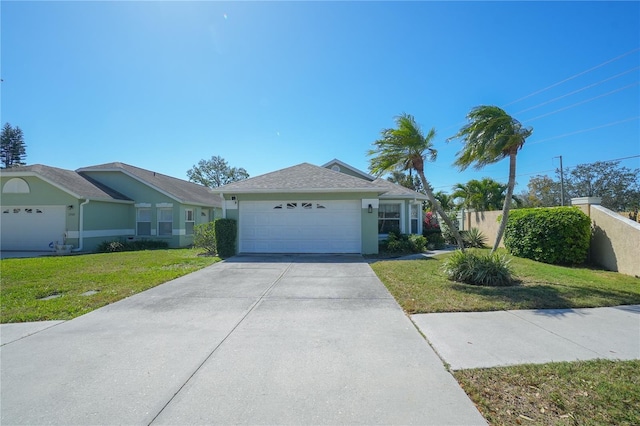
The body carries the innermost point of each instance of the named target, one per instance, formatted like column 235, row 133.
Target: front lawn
column 113, row 276
column 420, row 286
column 599, row 392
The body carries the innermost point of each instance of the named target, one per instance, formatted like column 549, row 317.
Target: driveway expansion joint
column 224, row 339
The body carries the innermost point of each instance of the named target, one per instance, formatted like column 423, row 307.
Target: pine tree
column 12, row 148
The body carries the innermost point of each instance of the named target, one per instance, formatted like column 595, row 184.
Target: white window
column 165, row 222
column 388, row 218
column 189, row 221
column 415, row 219
column 143, row 221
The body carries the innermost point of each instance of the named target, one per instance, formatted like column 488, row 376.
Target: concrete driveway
column 253, row 340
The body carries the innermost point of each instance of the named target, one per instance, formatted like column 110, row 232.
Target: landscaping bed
column 420, row 286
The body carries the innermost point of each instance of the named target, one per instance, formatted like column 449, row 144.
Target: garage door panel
column 300, row 226
column 31, row 227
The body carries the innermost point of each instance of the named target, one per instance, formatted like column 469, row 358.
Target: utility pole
column 561, row 181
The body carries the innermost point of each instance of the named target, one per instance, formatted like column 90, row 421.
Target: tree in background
column 215, row 172
column 490, row 136
column 405, row 148
column 481, row 195
column 619, row 187
column 12, row 147
column 542, row 191
column 406, row 180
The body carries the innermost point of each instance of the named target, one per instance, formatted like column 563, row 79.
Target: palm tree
column 446, row 200
column 406, row 148
column 481, row 195
column 490, row 136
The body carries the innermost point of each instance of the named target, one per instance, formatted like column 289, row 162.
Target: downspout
column 81, row 230
column 224, row 206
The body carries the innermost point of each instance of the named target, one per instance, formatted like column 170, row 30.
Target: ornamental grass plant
column 485, row 269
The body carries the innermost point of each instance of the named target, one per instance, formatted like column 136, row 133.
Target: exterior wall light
column 370, row 208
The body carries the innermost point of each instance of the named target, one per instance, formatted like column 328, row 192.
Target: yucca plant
column 474, row 238
column 479, row 269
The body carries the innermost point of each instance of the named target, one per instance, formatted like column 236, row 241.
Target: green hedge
column 225, row 232
column 558, row 235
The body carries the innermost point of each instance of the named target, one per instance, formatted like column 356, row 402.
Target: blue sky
column 267, row 85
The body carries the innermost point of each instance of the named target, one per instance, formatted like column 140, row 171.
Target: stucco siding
column 40, row 193
column 615, row 242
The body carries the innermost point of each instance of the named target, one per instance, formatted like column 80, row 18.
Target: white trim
column 580, row 201
column 402, row 218
column 164, row 205
column 231, row 204
column 178, row 232
column 103, row 233
column 375, row 190
column 353, row 169
column 375, row 203
column 142, row 205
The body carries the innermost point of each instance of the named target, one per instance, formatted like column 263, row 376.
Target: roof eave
column 296, row 190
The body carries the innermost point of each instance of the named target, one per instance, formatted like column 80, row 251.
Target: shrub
column 137, row 245
column 403, row 243
column 558, row 235
column 225, row 235
column 474, row 238
column 204, row 237
column 448, row 236
column 435, row 240
column 479, row 269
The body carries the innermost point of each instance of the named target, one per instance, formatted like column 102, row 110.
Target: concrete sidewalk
column 489, row 339
column 252, row 340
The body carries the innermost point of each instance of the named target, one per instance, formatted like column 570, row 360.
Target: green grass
column 113, row 275
column 598, row 392
column 420, row 286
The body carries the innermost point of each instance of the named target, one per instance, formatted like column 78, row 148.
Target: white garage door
column 31, row 227
column 300, row 226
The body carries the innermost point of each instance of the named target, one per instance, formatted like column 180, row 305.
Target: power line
column 553, row 170
column 573, row 76
column 585, row 101
column 577, row 91
column 584, row 130
column 563, row 81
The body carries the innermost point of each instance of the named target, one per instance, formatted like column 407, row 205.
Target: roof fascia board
column 407, row 196
column 353, row 169
column 299, row 191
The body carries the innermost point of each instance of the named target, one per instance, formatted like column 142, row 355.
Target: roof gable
column 69, row 181
column 339, row 166
column 180, row 190
column 303, row 177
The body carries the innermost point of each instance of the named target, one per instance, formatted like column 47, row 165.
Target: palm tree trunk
column 507, row 200
column 436, row 205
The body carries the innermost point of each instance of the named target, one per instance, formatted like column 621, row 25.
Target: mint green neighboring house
column 43, row 205
column 334, row 208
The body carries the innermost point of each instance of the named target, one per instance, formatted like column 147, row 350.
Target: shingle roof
column 304, row 177
column 181, row 190
column 397, row 191
column 70, row 181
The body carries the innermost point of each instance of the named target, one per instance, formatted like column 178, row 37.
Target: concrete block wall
column 615, row 242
